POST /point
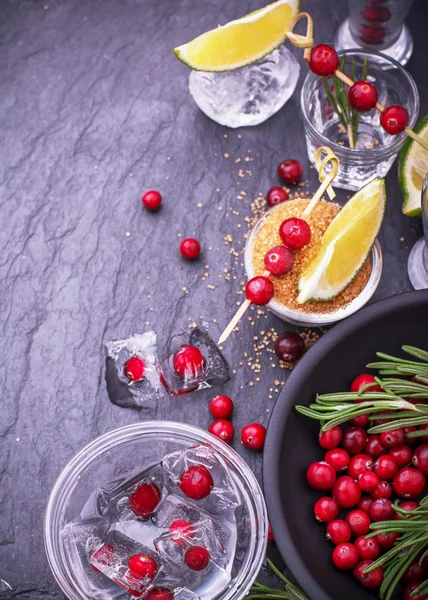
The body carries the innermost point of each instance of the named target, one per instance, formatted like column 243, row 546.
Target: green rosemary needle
column 262, row 592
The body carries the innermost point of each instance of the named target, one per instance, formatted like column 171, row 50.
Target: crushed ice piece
column 215, row 370
column 121, row 390
column 185, row 594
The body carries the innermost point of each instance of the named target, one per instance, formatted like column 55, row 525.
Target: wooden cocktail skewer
column 326, row 180
column 307, row 41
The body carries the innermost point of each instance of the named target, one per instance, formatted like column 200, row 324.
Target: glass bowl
column 112, row 454
column 311, row 319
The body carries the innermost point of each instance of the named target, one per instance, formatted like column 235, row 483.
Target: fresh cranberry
column 290, row 171
column 383, row 490
column 420, row 458
column 347, row 492
column 135, row 369
column 361, row 421
column 180, row 531
column 393, row 438
column 271, row 537
column 354, row 439
column 368, row 481
column 321, row 476
column 279, row 260
column 414, row 572
column 144, row 499
column 152, row 200
column 337, row 458
column 222, row 429
column 338, row 531
column 159, row 593
column 253, row 436
column 295, row 233
column 189, row 362
column 381, row 510
column 402, row 455
column 408, row 592
column 358, row 521
column 221, row 407
column 104, row 555
column 190, row 248
column 410, row 441
column 324, row 60
column 363, row 380
column 376, row 14
column 424, row 438
column 143, row 566
column 196, row 482
column 367, row 547
column 374, row 446
column 345, row 556
column 365, row 504
column 409, row 483
column 259, row 290
column 362, row 96
column 394, row 119
column 326, row 509
column 387, row 540
column 372, row 34
column 289, row 346
column 408, row 505
column 197, row 558
column 385, row 467
column 359, row 464
column 370, row 580
column 276, row 195
column 331, row 438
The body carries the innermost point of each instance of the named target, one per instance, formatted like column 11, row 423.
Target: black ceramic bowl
column 292, row 440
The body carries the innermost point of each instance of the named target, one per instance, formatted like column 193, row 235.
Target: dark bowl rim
column 283, row 408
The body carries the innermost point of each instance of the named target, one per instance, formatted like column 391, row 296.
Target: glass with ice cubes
column 157, row 511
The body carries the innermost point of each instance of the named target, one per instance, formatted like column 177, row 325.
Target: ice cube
column 185, row 594
column 250, row 95
column 122, row 390
column 212, row 369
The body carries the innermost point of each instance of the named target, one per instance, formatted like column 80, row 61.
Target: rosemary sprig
column 263, row 592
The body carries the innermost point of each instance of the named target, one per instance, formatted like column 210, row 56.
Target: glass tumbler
column 417, row 266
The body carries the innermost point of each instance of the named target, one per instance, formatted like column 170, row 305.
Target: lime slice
column 240, row 42
column 345, row 245
column 412, row 168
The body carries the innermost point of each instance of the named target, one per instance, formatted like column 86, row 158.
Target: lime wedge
column 412, row 168
column 240, row 42
column 345, row 245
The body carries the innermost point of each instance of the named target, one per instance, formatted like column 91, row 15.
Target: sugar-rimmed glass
column 376, row 150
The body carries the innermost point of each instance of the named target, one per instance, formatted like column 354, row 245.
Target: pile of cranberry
column 362, row 473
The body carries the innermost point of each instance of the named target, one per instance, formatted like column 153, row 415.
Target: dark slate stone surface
column 94, row 110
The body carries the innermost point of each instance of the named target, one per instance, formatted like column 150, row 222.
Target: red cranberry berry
column 347, row 492
column 409, row 483
column 331, row 438
column 420, row 458
column 387, row 540
column 221, row 407
column 259, row 290
column 276, row 195
column 345, row 556
column 393, row 438
column 295, row 233
column 338, row 531
column 144, row 499
column 271, row 537
column 326, row 509
column 368, row 481
column 197, row 558
column 365, row 504
column 410, row 441
column 180, row 531
column 324, row 60
column 290, row 171
column 188, row 361
column 402, row 455
column 376, row 14
column 372, row 34
column 363, row 380
column 135, row 369
column 143, row 566
column 196, row 482
column 253, row 436
column 104, row 555
column 370, row 580
column 367, row 547
column 381, row 510
column 424, row 438
column 374, row 446
column 159, row 593
column 360, row 421
column 354, row 439
column 408, row 505
column 190, row 248
column 337, row 458
column 321, row 476
column 289, row 346
column 409, row 595
column 383, row 490
column 362, row 96
column 385, row 467
column 414, row 572
column 359, row 464
column 279, row 260
column 359, row 522
column 152, row 200
column 394, row 119
column 222, row 429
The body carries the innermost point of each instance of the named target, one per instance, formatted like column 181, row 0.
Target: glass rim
column 69, row 477
column 361, row 153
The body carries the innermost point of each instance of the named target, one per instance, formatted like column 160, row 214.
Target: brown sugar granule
column 286, row 286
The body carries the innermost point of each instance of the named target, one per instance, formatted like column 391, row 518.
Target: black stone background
column 92, row 104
